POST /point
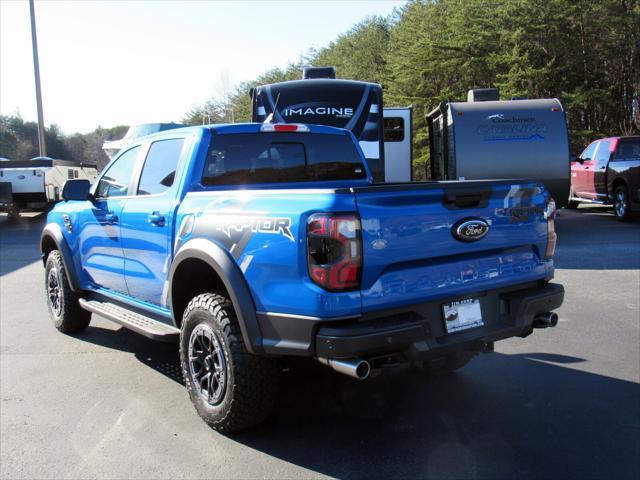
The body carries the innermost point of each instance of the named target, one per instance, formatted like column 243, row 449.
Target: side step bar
column 587, row 200
column 137, row 322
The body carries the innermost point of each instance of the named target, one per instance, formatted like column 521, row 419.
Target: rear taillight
column 334, row 251
column 550, row 215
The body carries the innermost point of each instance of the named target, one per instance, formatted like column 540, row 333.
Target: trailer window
column 281, row 157
column 393, row 128
column 69, row 174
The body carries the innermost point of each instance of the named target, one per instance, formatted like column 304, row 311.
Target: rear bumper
column 417, row 332
column 513, row 314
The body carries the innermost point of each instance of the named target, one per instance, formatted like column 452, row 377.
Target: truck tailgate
column 411, row 253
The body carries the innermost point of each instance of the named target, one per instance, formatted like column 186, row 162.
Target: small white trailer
column 34, row 185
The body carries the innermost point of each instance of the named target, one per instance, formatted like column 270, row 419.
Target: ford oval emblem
column 21, row 177
column 470, row 229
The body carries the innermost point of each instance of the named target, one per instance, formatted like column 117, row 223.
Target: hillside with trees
column 584, row 52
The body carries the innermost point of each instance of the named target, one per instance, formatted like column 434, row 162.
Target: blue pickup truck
column 250, row 243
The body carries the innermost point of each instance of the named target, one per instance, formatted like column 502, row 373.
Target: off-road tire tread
column 74, row 318
column 255, row 379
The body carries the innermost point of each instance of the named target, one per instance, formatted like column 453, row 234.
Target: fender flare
column 227, row 269
column 613, row 183
column 52, row 231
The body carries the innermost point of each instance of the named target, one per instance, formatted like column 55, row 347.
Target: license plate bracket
column 462, row 315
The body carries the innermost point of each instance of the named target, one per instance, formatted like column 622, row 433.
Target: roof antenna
column 269, row 118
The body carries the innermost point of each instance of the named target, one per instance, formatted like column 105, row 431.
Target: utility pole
column 36, row 71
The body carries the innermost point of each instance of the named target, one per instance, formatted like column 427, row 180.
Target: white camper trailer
column 33, row 185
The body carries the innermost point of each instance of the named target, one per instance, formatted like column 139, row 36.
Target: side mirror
column 76, row 190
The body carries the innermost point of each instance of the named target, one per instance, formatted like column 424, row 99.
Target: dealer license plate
column 462, row 315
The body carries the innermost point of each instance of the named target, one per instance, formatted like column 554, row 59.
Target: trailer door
column 397, row 145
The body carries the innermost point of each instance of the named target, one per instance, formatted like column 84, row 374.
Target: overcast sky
column 126, row 62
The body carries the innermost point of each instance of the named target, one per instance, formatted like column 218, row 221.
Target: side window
column 115, row 181
column 159, row 169
column 603, row 153
column 70, row 174
column 589, row 151
column 628, row 150
column 393, row 129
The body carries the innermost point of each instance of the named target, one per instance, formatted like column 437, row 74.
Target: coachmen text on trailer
column 485, row 138
column 321, row 99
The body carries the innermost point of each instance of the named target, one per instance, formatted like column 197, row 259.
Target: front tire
column 62, row 302
column 230, row 388
column 621, row 205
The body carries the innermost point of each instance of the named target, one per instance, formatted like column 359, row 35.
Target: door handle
column 602, row 168
column 156, row 219
column 111, row 217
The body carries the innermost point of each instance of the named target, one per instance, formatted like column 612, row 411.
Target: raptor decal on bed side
column 240, row 223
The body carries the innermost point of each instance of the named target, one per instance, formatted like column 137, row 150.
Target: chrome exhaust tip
column 544, row 320
column 353, row 367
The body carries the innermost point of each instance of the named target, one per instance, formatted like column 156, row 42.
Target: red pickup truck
column 608, row 172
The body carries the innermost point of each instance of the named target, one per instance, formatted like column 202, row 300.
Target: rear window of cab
column 253, row 158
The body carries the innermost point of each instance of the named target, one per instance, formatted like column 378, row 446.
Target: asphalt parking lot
column 562, row 403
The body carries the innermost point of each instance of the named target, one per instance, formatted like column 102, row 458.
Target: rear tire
column 62, row 302
column 230, row 388
column 621, row 205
